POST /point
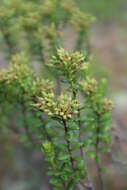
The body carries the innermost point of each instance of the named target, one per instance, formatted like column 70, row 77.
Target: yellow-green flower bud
column 89, row 86
column 107, row 105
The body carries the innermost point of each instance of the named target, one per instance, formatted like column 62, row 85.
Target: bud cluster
column 31, row 20
column 50, row 32
column 80, row 20
column 66, row 107
column 46, row 103
column 19, row 69
column 40, row 85
column 107, row 105
column 69, row 7
column 48, row 8
column 89, row 86
column 68, row 64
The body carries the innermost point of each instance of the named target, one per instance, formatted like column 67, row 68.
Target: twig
column 81, row 149
column 100, row 179
column 68, row 144
column 79, row 126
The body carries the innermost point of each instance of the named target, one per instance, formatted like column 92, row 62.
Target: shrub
column 67, row 116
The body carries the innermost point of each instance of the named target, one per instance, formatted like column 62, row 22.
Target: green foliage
column 39, row 25
column 64, row 123
column 104, row 10
column 70, row 125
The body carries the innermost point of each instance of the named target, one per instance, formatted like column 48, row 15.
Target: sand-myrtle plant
column 99, row 108
column 38, row 26
column 87, row 123
column 71, row 67
column 80, row 22
column 38, row 29
column 73, row 125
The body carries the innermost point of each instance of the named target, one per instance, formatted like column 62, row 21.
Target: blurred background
column 22, row 168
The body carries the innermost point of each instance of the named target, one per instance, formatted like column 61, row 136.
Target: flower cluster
column 107, row 105
column 69, row 7
column 19, row 69
column 46, row 103
column 50, row 32
column 31, row 21
column 40, row 85
column 69, row 64
column 81, row 21
column 89, row 86
column 64, row 107
column 48, row 8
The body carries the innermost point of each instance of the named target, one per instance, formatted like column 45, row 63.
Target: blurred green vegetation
column 105, row 9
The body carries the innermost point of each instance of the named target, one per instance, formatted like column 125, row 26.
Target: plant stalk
column 68, row 145
column 99, row 174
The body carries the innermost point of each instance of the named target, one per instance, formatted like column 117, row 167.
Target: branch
column 68, row 144
column 81, row 149
column 99, row 174
column 79, row 126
